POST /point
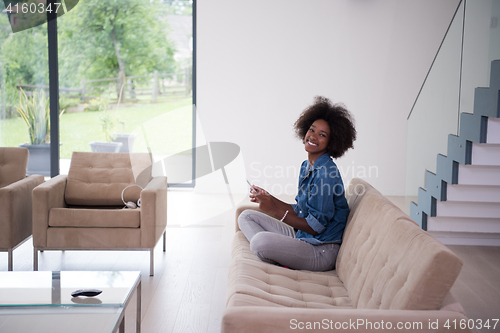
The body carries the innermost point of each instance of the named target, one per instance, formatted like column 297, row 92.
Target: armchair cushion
column 13, row 162
column 94, row 218
column 98, row 179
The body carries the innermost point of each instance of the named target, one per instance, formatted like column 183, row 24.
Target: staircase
column 461, row 202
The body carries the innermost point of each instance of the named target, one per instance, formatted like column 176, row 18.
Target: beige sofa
column 84, row 210
column 390, row 276
column 15, row 199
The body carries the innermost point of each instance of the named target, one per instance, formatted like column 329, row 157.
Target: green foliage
column 78, row 129
column 35, row 112
column 24, row 57
column 99, row 36
column 108, row 123
column 179, row 7
column 97, row 104
column 66, row 102
column 5, row 28
column 97, row 39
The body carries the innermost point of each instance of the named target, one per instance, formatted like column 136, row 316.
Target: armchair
column 15, row 199
column 84, row 210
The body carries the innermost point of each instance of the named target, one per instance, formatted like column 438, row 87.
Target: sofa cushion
column 253, row 282
column 98, row 179
column 90, row 218
column 240, row 248
column 387, row 262
column 13, row 162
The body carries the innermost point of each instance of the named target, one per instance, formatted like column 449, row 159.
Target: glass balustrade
column 462, row 63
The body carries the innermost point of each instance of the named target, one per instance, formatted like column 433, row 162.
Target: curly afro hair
column 342, row 131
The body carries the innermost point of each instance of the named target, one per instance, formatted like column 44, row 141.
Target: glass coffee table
column 42, row 302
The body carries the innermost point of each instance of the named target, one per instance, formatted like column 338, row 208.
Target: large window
column 24, row 81
column 125, row 81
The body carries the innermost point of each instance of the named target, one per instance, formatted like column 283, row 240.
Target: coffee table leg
column 138, row 321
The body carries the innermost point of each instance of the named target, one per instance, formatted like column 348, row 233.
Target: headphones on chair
column 131, row 204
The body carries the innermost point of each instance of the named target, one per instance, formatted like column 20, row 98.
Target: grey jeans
column 273, row 242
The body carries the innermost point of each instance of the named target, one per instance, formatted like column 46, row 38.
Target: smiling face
column 317, row 139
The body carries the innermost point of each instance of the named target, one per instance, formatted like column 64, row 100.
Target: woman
column 307, row 234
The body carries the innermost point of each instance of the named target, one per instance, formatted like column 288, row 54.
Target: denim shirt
column 321, row 201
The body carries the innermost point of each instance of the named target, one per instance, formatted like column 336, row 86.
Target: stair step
column 417, row 215
column 495, row 74
column 486, row 102
column 459, row 149
column 461, row 224
column 467, row 209
column 426, row 202
column 485, row 154
column 467, row 238
column 447, row 169
column 493, row 132
column 435, row 186
column 478, row 175
column 473, row 193
column 473, row 127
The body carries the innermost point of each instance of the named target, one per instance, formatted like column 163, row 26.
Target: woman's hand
column 255, row 191
column 277, row 208
column 264, row 199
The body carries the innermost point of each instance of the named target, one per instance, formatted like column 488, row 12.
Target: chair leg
column 35, row 259
column 164, row 241
column 10, row 263
column 152, row 262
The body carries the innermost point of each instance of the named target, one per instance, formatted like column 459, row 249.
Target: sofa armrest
column 45, row 197
column 16, row 212
column 451, row 304
column 246, row 319
column 153, row 211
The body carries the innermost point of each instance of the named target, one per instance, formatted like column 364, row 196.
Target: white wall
column 260, row 63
